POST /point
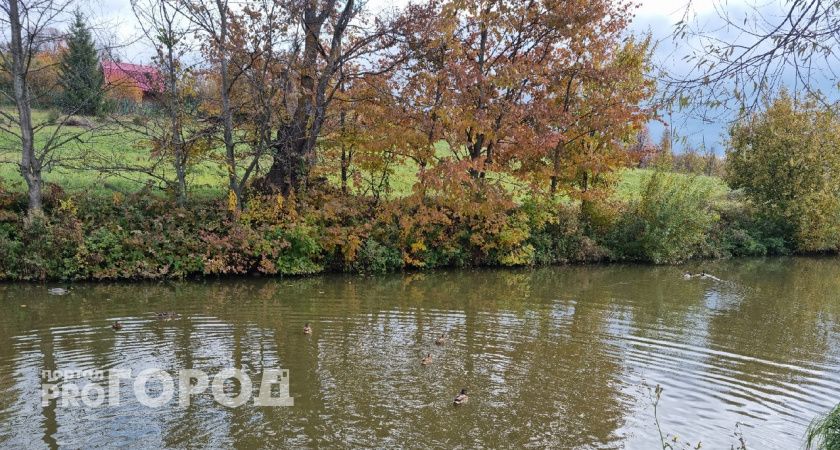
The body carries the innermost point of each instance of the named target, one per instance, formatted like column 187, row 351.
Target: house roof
column 148, row 78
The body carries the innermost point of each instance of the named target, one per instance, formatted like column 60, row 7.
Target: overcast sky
column 655, row 16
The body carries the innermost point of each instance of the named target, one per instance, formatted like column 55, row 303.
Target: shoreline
column 696, row 266
column 673, row 219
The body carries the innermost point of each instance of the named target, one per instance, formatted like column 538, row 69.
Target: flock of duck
column 460, row 399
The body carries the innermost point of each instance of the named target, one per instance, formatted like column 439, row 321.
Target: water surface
column 561, row 357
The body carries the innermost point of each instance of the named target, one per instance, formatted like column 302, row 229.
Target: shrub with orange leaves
column 121, row 87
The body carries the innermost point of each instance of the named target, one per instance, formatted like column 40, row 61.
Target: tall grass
column 824, row 432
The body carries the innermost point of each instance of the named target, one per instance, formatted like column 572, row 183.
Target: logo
column 155, row 387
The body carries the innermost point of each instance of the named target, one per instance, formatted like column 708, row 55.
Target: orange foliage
column 548, row 92
column 122, row 87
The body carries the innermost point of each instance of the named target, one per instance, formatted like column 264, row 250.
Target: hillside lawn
column 109, row 143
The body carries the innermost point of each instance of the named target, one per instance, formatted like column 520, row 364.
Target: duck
column 461, row 398
column 440, row 340
column 708, row 276
column 58, row 291
column 687, row 276
column 307, row 329
column 167, row 315
column 427, row 360
column 116, row 325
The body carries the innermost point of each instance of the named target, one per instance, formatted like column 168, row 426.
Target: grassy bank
column 654, row 217
column 96, row 158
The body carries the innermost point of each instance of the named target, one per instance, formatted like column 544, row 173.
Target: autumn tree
column 178, row 138
column 262, row 87
column 405, row 110
column 335, row 33
column 181, row 137
column 540, row 89
column 44, row 83
column 359, row 144
column 213, row 21
column 598, row 109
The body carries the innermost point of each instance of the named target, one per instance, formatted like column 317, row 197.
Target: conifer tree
column 81, row 72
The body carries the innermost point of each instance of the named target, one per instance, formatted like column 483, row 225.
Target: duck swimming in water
column 701, row 275
column 116, row 325
column 427, row 360
column 461, row 398
column 58, row 291
column 167, row 315
column 307, row 329
column 440, row 340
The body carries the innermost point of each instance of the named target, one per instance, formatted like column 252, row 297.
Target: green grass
column 630, row 182
column 105, row 144
column 207, row 179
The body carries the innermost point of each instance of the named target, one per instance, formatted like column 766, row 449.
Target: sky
column 657, row 17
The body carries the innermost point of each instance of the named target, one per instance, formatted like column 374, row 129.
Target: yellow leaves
column 232, row 202
column 67, row 206
column 522, row 256
column 351, row 247
column 414, row 257
column 117, row 198
column 417, row 247
column 267, row 266
column 267, row 209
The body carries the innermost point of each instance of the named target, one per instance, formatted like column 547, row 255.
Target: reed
column 824, row 432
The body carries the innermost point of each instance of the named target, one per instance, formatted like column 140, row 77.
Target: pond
column 563, row 357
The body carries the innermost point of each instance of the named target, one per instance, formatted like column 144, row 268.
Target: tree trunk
column 30, row 166
column 227, row 115
column 345, row 163
column 555, row 170
column 345, row 154
column 294, row 151
column 179, row 155
column 287, row 167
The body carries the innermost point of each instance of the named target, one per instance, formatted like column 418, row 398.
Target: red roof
column 148, row 78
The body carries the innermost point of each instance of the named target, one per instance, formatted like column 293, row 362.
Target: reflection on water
column 552, row 357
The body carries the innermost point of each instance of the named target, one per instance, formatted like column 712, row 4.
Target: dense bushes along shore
column 145, row 237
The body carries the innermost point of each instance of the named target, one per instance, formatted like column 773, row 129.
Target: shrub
column 786, row 159
column 743, row 231
column 377, row 258
column 559, row 237
column 300, row 253
column 668, row 224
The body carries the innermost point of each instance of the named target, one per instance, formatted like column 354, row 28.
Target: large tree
column 81, row 72
column 335, row 34
column 541, row 89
